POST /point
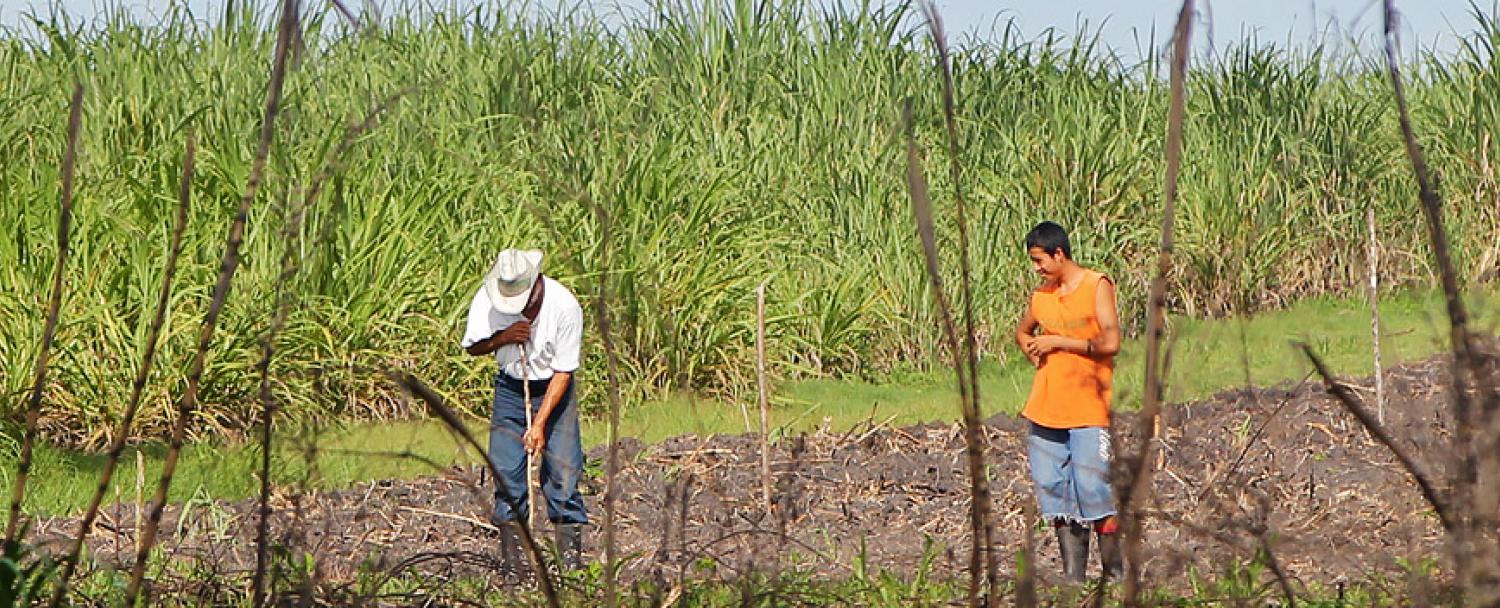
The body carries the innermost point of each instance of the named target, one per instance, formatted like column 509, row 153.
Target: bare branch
column 1434, row 496
column 138, row 386
column 1133, row 495
column 230, row 263
column 438, row 407
column 54, row 308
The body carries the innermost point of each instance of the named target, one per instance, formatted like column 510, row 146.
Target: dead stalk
column 1026, row 569
column 1133, row 495
column 227, row 269
column 436, row 404
column 1470, row 513
column 611, row 354
column 281, row 309
column 1439, row 500
column 54, row 308
column 138, row 386
column 979, row 505
column 612, row 378
column 966, row 290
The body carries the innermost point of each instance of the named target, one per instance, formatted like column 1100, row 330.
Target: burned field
column 1280, row 476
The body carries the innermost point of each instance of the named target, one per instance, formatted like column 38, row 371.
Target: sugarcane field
column 750, row 303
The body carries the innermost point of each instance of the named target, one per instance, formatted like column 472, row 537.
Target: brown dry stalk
column 611, row 354
column 281, row 309
column 966, row 281
column 611, row 371
column 440, row 408
column 231, row 260
column 54, row 308
column 1473, row 513
column 979, row 505
column 612, row 379
column 1026, row 568
column 138, row 386
column 1282, row 580
column 347, row 14
column 1432, row 210
column 1133, row 495
column 1439, row 500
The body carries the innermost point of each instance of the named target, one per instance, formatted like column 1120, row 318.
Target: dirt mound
column 1284, row 473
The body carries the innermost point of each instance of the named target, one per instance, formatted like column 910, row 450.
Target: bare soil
column 1284, row 473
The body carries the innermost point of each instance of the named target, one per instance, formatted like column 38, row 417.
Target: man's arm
column 565, row 361
column 536, row 436
column 1108, row 342
column 1026, row 333
column 518, row 333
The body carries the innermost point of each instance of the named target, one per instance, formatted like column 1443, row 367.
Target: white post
column 764, row 395
column 1372, row 253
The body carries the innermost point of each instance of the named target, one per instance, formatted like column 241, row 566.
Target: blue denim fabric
column 1070, row 470
column 562, row 462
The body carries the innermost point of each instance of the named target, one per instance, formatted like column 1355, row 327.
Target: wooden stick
column 763, row 394
column 1372, row 254
column 533, row 466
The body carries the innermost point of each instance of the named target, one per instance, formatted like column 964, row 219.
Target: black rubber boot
column 569, row 545
column 1073, row 543
column 510, row 550
column 1110, row 559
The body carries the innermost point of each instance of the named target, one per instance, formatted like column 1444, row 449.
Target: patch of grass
column 1209, row 356
column 732, row 142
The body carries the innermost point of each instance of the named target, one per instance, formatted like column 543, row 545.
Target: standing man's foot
column 1073, row 544
column 570, row 546
column 510, row 550
column 1110, row 558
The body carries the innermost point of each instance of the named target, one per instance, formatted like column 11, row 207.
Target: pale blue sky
column 1433, row 22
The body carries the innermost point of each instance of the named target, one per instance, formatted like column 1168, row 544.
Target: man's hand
column 1041, row 346
column 535, row 438
column 518, row 333
column 1026, row 348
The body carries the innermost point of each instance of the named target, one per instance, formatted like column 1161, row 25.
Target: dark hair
column 1050, row 238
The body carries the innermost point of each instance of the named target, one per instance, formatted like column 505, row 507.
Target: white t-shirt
column 556, row 334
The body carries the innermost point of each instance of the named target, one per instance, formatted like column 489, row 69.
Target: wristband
column 1088, row 347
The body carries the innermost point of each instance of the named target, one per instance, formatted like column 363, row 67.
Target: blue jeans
column 562, row 458
column 1070, row 468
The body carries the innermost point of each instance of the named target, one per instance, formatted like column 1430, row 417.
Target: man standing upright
column 1071, row 333
column 516, row 312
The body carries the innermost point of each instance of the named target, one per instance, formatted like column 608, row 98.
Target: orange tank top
column 1070, row 390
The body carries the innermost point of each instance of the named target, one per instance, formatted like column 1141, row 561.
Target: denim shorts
column 1070, row 470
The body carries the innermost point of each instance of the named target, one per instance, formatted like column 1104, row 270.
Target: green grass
column 732, row 143
column 1209, row 357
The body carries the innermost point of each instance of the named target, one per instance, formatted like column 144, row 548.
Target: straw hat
column 509, row 281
